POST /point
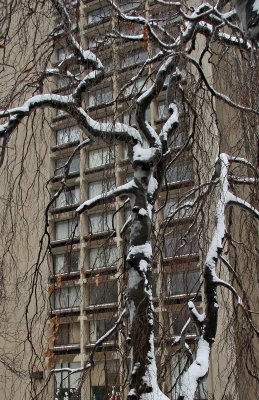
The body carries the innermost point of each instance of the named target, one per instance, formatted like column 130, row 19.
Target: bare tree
column 191, row 93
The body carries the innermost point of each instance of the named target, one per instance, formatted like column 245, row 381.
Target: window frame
column 74, row 167
column 73, row 229
column 105, row 287
column 68, row 299
column 67, row 263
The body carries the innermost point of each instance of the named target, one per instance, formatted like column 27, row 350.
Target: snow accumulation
column 117, row 128
column 112, row 193
column 133, row 279
column 144, row 155
column 143, row 265
column 152, row 185
column 142, row 212
column 38, row 100
column 151, row 376
column 172, row 120
column 256, row 6
column 191, row 306
column 144, row 249
column 197, row 370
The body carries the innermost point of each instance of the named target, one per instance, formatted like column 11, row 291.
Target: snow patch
column 256, row 6
column 142, row 212
column 144, row 249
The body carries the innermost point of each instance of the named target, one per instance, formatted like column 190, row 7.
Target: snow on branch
column 145, row 23
column 85, row 57
column 171, row 124
column 199, row 368
column 126, row 189
column 146, row 98
column 118, row 131
column 16, row 115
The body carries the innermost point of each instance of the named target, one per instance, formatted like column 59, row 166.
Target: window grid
column 103, row 293
column 103, row 256
column 68, row 135
column 67, row 297
column 74, row 166
column 67, row 229
column 66, row 262
column 68, row 197
column 180, row 245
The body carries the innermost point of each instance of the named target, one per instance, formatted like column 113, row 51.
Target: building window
column 67, row 297
column 185, row 208
column 110, row 372
column 100, row 187
column 178, row 321
column 180, row 172
column 136, row 88
column 104, row 293
column 66, row 383
column 126, row 5
column 129, row 117
column 183, row 282
column 134, row 58
column 108, row 65
column 99, row 157
column 68, row 334
column 159, row 19
column 98, row 392
column 62, row 53
column 74, row 166
column 101, row 222
column 64, row 81
column 162, row 110
column 96, row 16
column 68, row 197
column 99, row 327
column 66, row 263
column 180, row 245
column 103, row 256
column 100, row 96
column 68, row 135
column 67, row 229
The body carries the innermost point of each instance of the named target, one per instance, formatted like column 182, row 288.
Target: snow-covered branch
column 199, row 368
column 145, row 99
column 125, row 190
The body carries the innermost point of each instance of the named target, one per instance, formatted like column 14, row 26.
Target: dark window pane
column 104, row 293
column 99, row 393
column 180, row 245
column 66, row 263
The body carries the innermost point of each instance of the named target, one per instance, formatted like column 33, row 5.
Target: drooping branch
column 199, row 368
column 217, row 94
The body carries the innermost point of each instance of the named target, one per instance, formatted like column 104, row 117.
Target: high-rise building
column 86, row 266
